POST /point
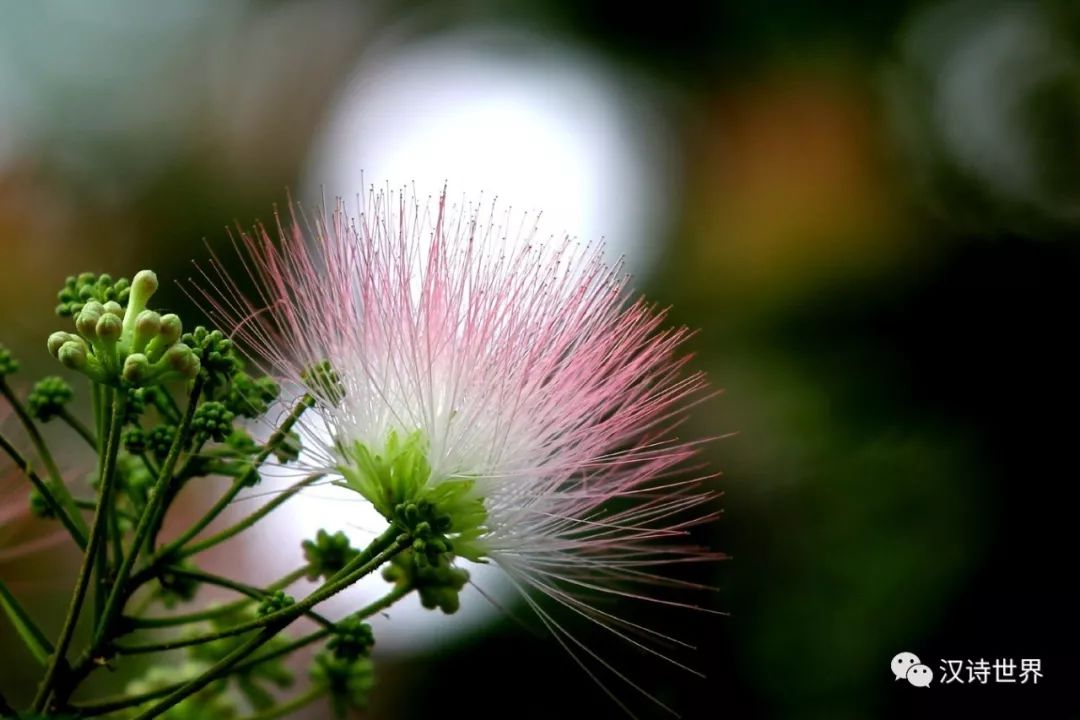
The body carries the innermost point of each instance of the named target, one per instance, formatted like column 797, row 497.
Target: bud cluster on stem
column 134, row 346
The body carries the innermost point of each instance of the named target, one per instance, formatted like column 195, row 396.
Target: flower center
column 441, row 514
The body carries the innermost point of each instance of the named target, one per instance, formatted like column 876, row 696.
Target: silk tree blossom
column 501, row 399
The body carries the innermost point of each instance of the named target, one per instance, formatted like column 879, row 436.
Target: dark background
column 873, row 218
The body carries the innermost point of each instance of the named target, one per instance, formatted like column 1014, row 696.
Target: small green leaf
column 31, row 635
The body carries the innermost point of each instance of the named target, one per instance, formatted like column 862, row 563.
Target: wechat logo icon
column 907, row 666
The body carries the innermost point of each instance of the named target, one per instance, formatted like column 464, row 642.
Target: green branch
column 176, row 643
column 118, row 594
column 241, row 482
column 82, row 582
column 78, row 535
column 300, row 701
column 138, row 623
column 379, row 551
column 28, row 630
column 58, row 487
column 108, row 507
column 77, row 425
column 253, row 518
column 120, row 702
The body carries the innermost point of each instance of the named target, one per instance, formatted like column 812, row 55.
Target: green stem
column 215, row 671
column 379, row 551
column 176, row 643
column 101, row 559
column 119, row 702
column 119, row 591
column 99, row 408
column 193, row 457
column 210, row 613
column 77, row 425
column 82, row 582
column 79, row 536
column 149, row 464
column 241, row 482
column 36, row 642
column 59, row 489
column 300, row 701
column 251, row 519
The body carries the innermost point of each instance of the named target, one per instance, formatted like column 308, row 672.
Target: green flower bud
column 167, row 336
column 147, row 327
column 214, row 420
column 136, row 368
column 77, row 291
column 352, row 639
column 109, row 327
column 73, row 355
column 48, row 398
column 114, row 308
column 438, row 583
column 8, row 364
column 143, row 286
column 160, row 440
column 171, row 328
column 349, row 682
column 86, row 322
column 135, row 441
column 182, row 361
column 216, row 357
column 327, row 554
column 274, row 602
column 57, row 339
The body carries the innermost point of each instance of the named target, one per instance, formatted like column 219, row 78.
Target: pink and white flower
column 523, row 368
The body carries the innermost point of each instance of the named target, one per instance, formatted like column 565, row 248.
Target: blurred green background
column 870, row 210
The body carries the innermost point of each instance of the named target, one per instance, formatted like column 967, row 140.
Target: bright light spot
column 539, row 127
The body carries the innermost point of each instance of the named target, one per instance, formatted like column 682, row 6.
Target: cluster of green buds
column 48, row 398
column 274, row 602
column 438, row 584
column 328, row 554
column 8, row 364
column 348, row 681
column 130, row 346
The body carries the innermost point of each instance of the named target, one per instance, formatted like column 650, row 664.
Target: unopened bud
column 144, row 284
column 171, row 329
column 72, row 355
column 109, row 327
column 86, row 322
column 136, row 368
column 147, row 327
column 182, row 360
column 57, row 339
